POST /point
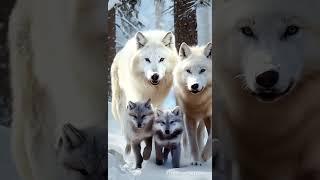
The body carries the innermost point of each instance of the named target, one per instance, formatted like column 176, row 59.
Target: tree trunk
column 185, row 26
column 110, row 44
column 5, row 95
column 159, row 6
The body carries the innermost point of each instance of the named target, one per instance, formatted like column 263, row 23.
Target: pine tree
column 5, row 95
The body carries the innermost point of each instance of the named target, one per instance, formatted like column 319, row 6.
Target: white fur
column 57, row 76
column 131, row 73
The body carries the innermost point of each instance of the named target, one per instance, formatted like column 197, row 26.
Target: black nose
column 167, row 132
column 139, row 125
column 155, row 77
column 195, row 86
column 267, row 79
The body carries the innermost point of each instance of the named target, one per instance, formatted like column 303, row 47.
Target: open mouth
column 154, row 82
column 271, row 95
column 195, row 91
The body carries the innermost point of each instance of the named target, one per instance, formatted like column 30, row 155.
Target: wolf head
column 194, row 68
column 83, row 153
column 265, row 46
column 168, row 122
column 156, row 55
column 140, row 113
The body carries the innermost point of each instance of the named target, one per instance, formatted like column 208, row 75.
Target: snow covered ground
column 121, row 167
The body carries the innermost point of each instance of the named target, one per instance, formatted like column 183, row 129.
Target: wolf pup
column 193, row 89
column 83, row 151
column 168, row 128
column 138, row 128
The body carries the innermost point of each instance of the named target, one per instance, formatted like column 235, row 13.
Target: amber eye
column 291, row 31
column 247, row 31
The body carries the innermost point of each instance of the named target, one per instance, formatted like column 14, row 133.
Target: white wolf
column 267, row 80
column 193, row 89
column 143, row 70
column 57, row 74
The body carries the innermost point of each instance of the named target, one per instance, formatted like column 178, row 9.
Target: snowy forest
column 190, row 20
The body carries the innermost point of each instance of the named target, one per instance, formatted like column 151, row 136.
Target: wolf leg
column 207, row 151
column 159, row 154
column 137, row 153
column 191, row 125
column 147, row 150
column 175, row 154
column 165, row 154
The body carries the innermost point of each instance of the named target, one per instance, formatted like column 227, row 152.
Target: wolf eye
column 83, row 172
column 247, row 31
column 163, row 123
column 134, row 116
column 143, row 116
column 148, row 60
column 172, row 122
column 161, row 60
column 202, row 71
column 188, row 71
column 291, row 31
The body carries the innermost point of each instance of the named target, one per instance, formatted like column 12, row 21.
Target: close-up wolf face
column 268, row 46
column 168, row 122
column 140, row 114
column 154, row 57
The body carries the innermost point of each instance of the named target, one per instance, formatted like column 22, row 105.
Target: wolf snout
column 268, row 79
column 155, row 77
column 195, row 86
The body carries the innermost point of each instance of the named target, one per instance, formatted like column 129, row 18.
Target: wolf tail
column 115, row 88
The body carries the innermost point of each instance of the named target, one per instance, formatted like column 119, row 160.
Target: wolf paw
column 206, row 155
column 159, row 162
column 196, row 163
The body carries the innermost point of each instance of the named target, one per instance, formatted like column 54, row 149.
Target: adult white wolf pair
column 144, row 68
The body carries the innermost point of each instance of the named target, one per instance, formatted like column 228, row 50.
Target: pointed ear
column 177, row 111
column 168, row 40
column 184, row 50
column 71, row 137
column 141, row 40
column 208, row 50
column 148, row 104
column 158, row 112
column 131, row 105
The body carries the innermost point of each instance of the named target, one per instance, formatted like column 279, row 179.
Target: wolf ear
column 71, row 137
column 208, row 50
column 168, row 40
column 148, row 104
column 141, row 40
column 159, row 112
column 177, row 111
column 131, row 105
column 184, row 50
